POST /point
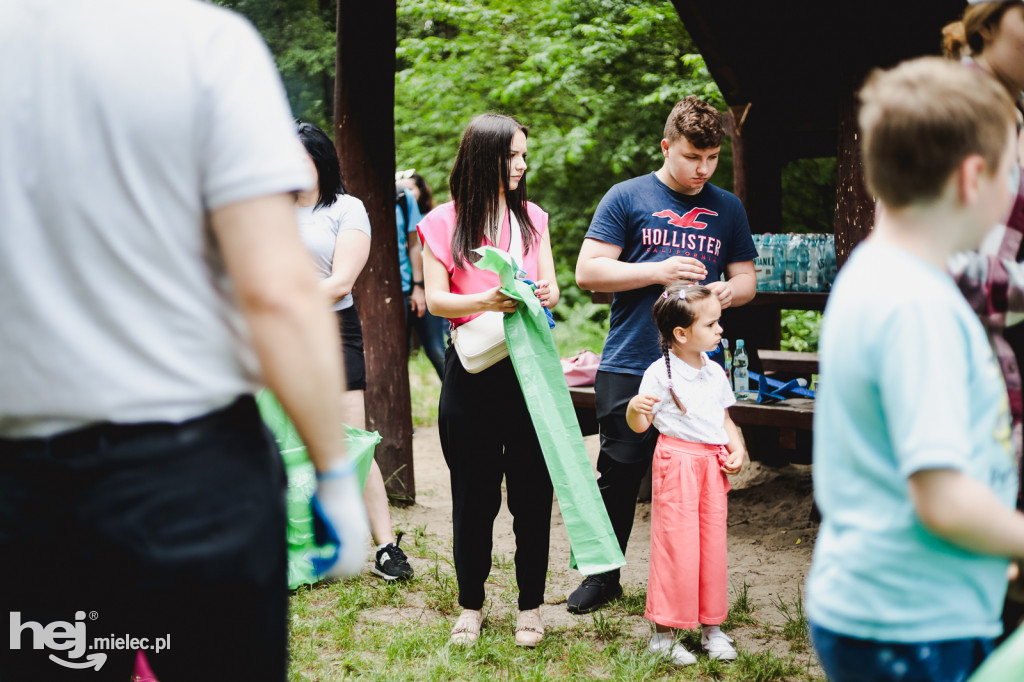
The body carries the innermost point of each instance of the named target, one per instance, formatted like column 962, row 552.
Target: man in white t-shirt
column 150, row 267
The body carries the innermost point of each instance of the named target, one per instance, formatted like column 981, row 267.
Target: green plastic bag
column 594, row 547
column 302, row 484
column 1005, row 664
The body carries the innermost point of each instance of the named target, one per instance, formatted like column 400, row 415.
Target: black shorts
column 613, row 391
column 352, row 349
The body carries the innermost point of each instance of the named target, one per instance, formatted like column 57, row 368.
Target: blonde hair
column 921, row 119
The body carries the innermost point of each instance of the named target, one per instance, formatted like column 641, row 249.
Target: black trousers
column 148, row 531
column 625, row 455
column 486, row 434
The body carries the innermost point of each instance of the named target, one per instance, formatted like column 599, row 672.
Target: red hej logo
column 688, row 220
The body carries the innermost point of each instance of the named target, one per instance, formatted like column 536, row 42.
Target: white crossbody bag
column 480, row 342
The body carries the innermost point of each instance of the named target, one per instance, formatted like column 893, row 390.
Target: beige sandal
column 529, row 628
column 467, row 627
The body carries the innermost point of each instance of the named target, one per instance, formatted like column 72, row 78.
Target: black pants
column 625, row 455
column 147, row 531
column 486, row 434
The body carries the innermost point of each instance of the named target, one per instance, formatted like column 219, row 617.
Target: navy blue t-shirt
column 652, row 223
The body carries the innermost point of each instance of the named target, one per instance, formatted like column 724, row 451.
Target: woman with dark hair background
column 485, row 429
column 335, row 228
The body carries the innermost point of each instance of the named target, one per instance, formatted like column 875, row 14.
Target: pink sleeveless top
column 435, row 231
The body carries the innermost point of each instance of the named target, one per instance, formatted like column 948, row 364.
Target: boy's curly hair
column 697, row 121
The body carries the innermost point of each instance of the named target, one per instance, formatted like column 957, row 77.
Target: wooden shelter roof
column 801, row 58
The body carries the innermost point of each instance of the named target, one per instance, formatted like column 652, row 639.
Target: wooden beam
column 757, row 164
column 364, row 132
column 855, row 208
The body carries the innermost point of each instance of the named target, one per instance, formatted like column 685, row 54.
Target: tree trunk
column 855, row 209
column 364, row 132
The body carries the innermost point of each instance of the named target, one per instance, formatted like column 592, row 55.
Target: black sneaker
column 595, row 591
column 391, row 562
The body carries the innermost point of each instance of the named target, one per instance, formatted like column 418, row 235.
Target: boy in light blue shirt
column 914, row 472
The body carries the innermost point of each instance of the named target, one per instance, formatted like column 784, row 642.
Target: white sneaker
column 718, row 645
column 676, row 652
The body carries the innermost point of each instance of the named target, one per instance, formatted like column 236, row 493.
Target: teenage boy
column 649, row 232
column 914, row 472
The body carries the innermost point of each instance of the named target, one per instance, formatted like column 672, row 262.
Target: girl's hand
column 543, row 292
column 735, row 461
column 494, row 299
column 643, row 404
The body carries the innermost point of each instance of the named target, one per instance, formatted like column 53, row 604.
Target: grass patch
column 424, row 389
column 795, row 627
column 741, row 610
column 366, row 629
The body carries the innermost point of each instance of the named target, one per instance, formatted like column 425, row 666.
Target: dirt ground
column 771, row 535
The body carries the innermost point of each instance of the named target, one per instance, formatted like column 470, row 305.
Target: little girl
column 685, row 397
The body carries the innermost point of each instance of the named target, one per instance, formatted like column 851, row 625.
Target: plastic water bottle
column 816, row 273
column 740, row 375
column 781, row 244
column 789, row 276
column 830, row 261
column 764, row 263
column 803, row 264
column 773, row 262
column 727, row 360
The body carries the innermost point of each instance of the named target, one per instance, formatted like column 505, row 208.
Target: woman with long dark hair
column 335, row 228
column 485, row 428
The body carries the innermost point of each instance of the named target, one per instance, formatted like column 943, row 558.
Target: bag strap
column 515, row 244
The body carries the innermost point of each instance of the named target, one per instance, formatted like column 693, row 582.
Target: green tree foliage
column 301, row 35
column 593, row 79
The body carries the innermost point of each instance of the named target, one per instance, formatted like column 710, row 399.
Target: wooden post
column 757, row 165
column 364, row 132
column 855, row 208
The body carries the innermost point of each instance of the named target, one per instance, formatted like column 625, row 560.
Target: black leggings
column 486, row 434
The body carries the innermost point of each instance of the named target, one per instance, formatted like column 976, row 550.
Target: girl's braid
column 668, row 368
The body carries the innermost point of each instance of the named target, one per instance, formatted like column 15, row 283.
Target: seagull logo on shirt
column 688, row 220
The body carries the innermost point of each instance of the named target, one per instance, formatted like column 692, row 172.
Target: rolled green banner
column 594, row 548
column 301, row 473
column 1005, row 663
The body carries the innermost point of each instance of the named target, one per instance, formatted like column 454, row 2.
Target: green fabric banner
column 1005, row 663
column 535, row 358
column 302, row 484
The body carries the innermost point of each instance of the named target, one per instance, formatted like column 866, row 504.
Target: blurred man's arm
column 293, row 330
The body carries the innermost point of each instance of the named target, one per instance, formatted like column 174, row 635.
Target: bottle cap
column 739, row 343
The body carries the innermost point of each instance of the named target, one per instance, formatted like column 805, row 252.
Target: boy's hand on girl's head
column 644, row 403
column 681, row 268
column 735, row 462
column 723, row 290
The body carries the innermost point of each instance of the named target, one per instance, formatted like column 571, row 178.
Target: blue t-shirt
column 403, row 240
column 908, row 383
column 653, row 223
